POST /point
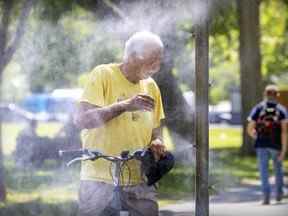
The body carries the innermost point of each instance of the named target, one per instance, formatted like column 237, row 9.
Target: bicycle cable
column 125, row 164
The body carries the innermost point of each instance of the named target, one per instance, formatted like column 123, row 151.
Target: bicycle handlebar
column 154, row 170
column 86, row 154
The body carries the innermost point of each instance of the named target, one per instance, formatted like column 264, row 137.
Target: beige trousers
column 95, row 199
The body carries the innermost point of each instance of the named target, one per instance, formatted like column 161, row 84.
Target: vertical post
column 201, row 117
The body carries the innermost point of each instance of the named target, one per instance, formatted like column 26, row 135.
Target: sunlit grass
column 49, row 129
column 55, row 190
column 44, row 186
column 219, row 137
column 168, row 139
column 10, row 132
column 50, row 190
column 225, row 137
column 47, row 194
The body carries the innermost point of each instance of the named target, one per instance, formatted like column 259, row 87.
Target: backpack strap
column 263, row 106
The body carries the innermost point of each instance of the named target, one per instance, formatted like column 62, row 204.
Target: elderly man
column 268, row 127
column 121, row 109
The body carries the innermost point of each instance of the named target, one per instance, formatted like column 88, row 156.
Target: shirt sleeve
column 158, row 109
column 94, row 88
column 283, row 114
column 254, row 114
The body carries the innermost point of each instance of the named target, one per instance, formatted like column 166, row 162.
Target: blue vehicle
column 36, row 103
column 55, row 106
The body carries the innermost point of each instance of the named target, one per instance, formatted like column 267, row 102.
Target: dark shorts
column 95, row 198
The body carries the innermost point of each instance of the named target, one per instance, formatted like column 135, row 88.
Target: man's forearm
column 94, row 118
column 284, row 142
column 284, row 136
column 251, row 129
column 157, row 134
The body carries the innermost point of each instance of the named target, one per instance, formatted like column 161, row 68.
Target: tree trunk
column 176, row 109
column 250, row 63
column 179, row 118
column 2, row 170
column 7, row 51
column 5, row 21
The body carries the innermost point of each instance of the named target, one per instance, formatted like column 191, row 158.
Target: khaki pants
column 95, row 198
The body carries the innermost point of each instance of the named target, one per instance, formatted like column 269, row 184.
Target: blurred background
column 47, row 47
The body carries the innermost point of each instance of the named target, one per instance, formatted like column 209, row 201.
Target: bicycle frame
column 116, row 201
column 115, row 208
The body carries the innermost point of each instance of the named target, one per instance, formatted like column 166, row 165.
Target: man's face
column 149, row 64
column 271, row 94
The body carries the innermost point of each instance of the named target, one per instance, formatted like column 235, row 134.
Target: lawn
column 47, row 191
column 52, row 189
column 50, row 129
column 219, row 137
column 225, row 137
column 11, row 130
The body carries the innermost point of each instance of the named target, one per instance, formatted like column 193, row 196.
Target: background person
column 268, row 127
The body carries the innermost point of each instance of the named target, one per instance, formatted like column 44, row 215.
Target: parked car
column 220, row 113
column 12, row 112
column 54, row 106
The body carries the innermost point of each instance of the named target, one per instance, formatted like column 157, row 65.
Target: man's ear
column 132, row 58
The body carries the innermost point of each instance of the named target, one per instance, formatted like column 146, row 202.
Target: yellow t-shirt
column 129, row 131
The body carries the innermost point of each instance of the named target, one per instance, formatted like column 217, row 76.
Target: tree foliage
column 274, row 44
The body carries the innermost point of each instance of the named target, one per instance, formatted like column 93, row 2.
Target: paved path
column 237, row 201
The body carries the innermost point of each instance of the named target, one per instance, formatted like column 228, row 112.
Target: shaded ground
column 38, row 208
column 237, row 201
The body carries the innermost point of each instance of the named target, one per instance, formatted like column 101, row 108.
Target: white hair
column 136, row 44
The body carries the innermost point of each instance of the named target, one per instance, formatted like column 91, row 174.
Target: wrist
column 157, row 139
column 122, row 107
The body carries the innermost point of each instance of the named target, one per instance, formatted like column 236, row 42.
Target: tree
column 8, row 46
column 179, row 119
column 250, row 63
column 274, row 41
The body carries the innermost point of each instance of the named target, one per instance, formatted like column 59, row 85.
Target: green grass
column 240, row 167
column 225, row 137
column 11, row 130
column 222, row 137
column 53, row 191
column 46, row 191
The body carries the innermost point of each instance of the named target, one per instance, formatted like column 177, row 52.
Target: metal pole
column 201, row 117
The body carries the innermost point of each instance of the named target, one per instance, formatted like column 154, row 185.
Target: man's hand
column 251, row 129
column 158, row 148
column 281, row 156
column 139, row 102
column 254, row 135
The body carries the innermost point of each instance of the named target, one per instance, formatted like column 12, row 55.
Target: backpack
column 268, row 124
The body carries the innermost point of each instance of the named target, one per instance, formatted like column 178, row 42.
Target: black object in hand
column 155, row 170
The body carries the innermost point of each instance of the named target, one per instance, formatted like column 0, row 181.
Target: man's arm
column 251, row 129
column 91, row 116
column 283, row 139
column 156, row 144
column 157, row 133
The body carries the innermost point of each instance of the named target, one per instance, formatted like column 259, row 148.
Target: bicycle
column 144, row 156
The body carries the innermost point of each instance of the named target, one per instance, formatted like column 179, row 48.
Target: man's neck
column 271, row 100
column 129, row 72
